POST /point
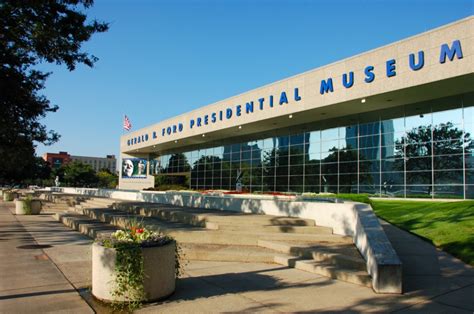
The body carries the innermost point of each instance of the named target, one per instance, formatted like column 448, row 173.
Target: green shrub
column 168, row 187
column 361, row 198
column 27, row 205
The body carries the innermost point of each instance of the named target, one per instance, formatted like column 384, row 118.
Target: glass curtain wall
column 427, row 151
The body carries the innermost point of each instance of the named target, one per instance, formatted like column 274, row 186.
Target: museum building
column 396, row 121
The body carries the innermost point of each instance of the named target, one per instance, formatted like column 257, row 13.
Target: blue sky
column 163, row 58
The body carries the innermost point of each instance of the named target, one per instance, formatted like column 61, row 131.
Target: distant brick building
column 98, row 163
column 56, row 160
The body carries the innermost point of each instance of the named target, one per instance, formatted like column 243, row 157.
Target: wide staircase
column 58, row 204
column 213, row 235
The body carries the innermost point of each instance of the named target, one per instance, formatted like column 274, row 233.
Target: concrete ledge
column 345, row 218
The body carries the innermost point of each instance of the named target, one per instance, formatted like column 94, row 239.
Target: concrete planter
column 159, row 267
column 9, row 196
column 22, row 209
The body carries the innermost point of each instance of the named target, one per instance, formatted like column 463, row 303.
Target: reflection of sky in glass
column 314, row 136
column 342, row 132
column 469, row 128
column 330, row 134
column 469, row 115
column 442, row 117
column 219, row 152
column 314, row 148
column 268, row 143
column 417, row 121
column 398, row 125
column 326, row 146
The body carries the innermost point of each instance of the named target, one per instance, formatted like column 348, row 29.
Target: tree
column 106, row 179
column 32, row 32
column 79, row 175
column 414, row 152
column 178, row 163
column 203, row 169
column 345, row 168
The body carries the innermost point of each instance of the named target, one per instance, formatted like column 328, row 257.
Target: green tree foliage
column 344, row 162
column 178, row 163
column 106, row 179
column 414, row 151
column 40, row 173
column 33, row 32
column 78, row 174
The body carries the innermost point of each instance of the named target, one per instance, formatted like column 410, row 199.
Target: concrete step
column 275, row 229
column 286, row 259
column 231, row 236
column 103, row 200
column 97, row 203
column 210, row 219
column 54, row 205
column 358, row 277
column 48, row 206
column 184, row 233
column 191, row 251
column 340, row 254
column 85, row 225
column 226, row 253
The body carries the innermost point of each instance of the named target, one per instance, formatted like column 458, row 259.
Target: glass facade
column 417, row 150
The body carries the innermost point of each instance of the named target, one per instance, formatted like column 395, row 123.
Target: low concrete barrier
column 345, row 218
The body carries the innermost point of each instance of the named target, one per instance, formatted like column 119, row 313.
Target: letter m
column 446, row 51
column 326, row 86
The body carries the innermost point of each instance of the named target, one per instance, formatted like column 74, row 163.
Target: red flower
column 140, row 230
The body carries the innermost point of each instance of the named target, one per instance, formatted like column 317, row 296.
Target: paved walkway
column 30, row 280
column 53, row 279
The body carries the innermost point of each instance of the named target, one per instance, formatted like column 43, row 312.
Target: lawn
column 448, row 225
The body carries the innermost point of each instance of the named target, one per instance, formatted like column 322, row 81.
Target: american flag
column 127, row 125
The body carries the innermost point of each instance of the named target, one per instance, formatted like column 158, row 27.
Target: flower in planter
column 140, row 236
column 129, row 272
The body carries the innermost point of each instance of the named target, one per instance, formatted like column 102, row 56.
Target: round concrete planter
column 159, row 268
column 22, row 209
column 9, row 196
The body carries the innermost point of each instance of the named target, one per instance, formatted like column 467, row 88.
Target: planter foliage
column 129, row 273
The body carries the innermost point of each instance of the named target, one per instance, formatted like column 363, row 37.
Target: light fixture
column 290, row 116
column 362, row 100
column 240, row 127
column 204, row 135
column 176, row 141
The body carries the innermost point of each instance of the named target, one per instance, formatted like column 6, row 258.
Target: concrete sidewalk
column 54, row 277
column 30, row 282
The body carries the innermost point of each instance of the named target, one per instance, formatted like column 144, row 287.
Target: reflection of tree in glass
column 442, row 139
column 342, row 161
column 203, row 168
column 178, row 163
column 268, row 165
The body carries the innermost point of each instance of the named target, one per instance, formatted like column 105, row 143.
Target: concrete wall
column 345, row 218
